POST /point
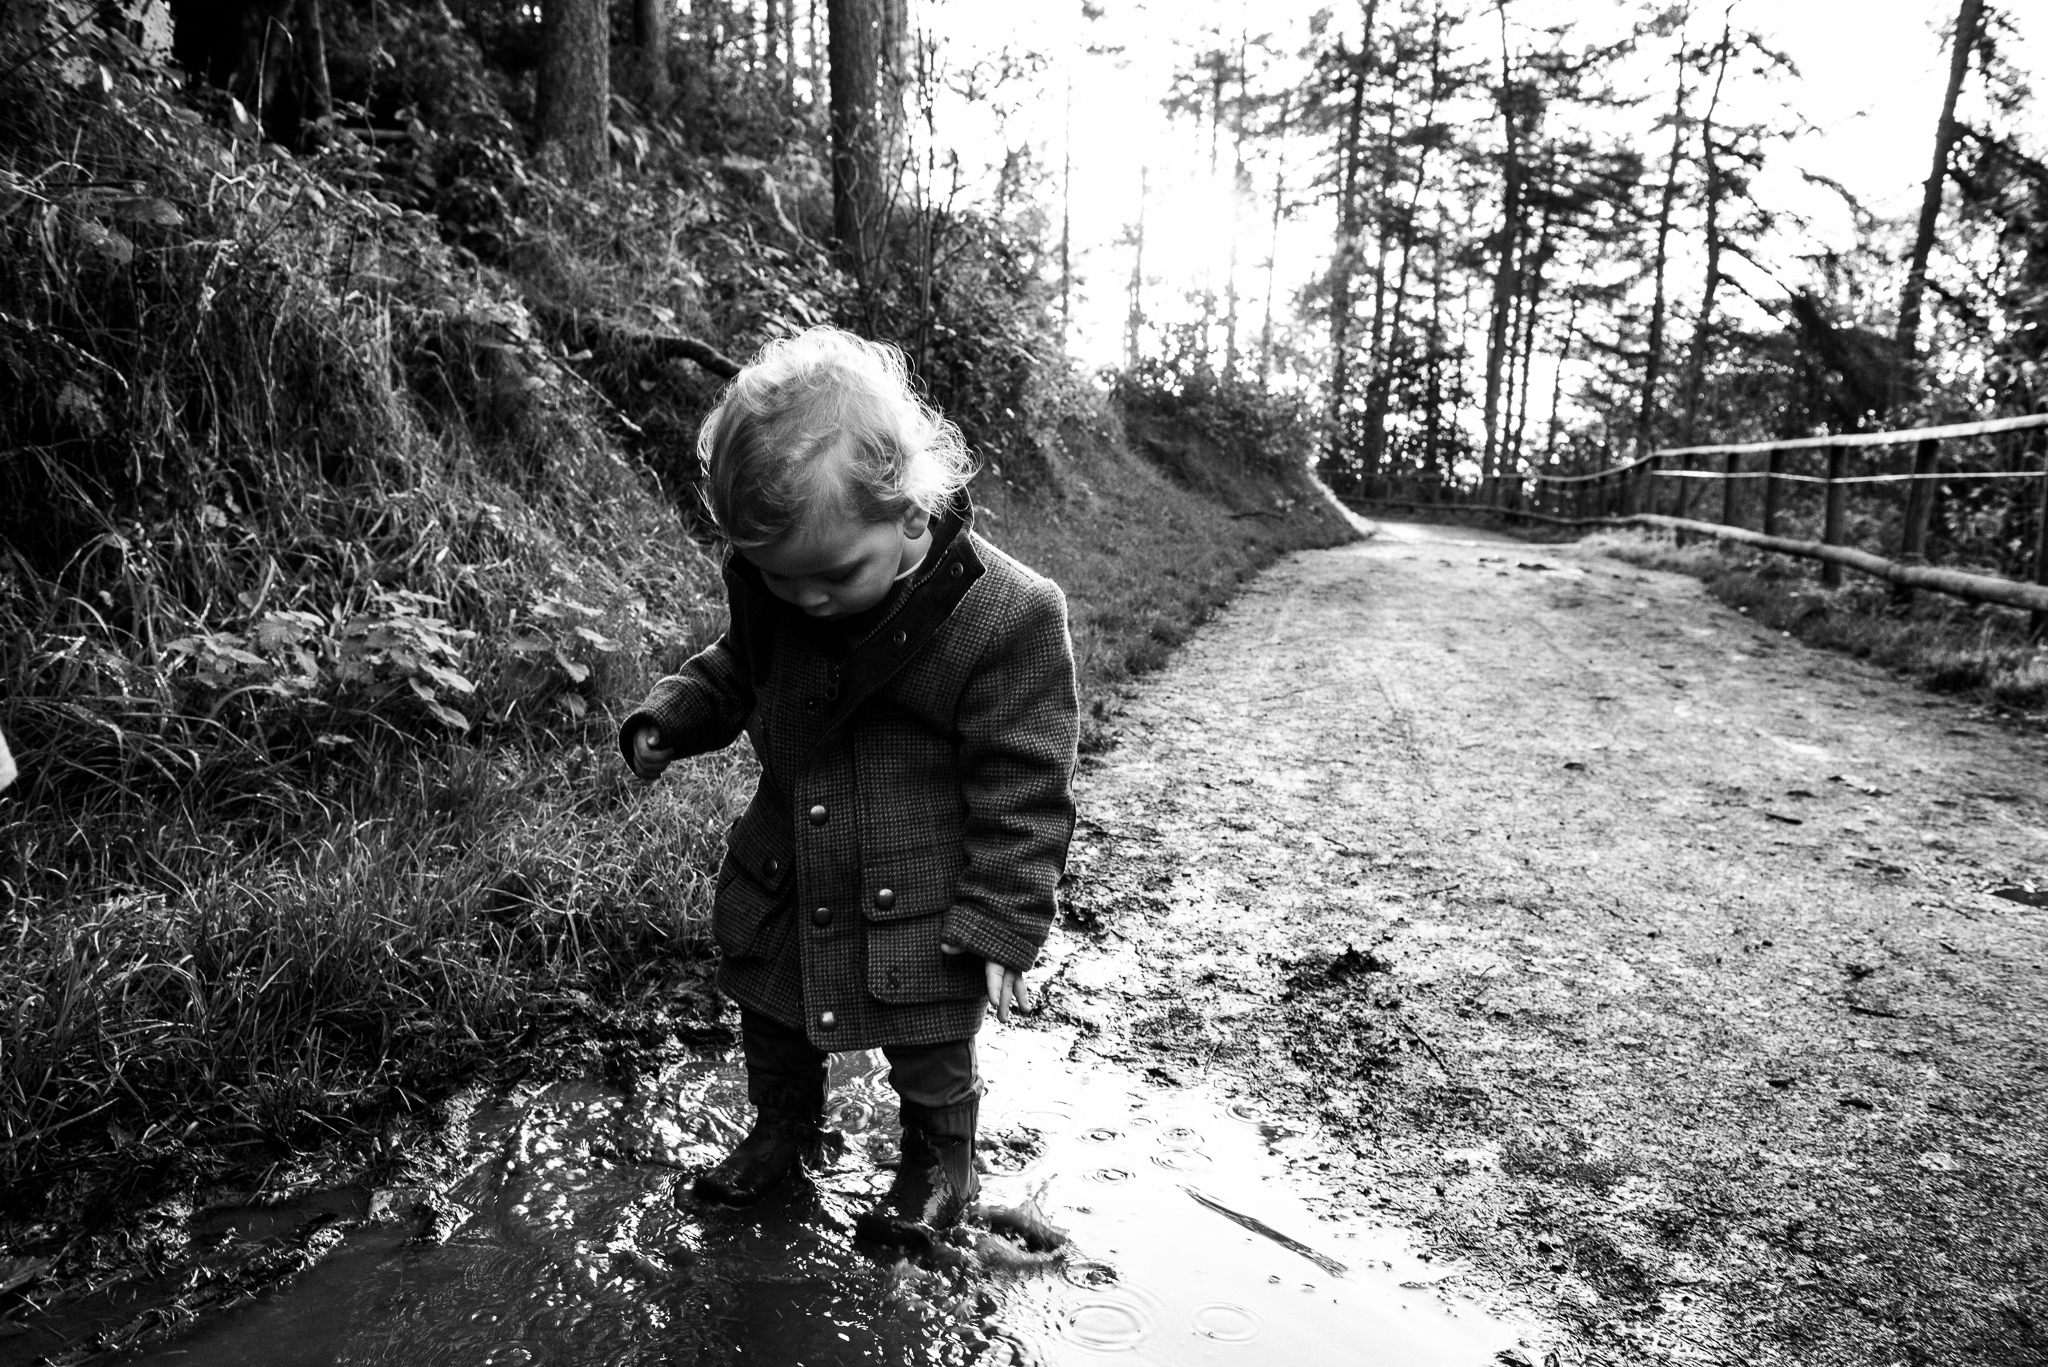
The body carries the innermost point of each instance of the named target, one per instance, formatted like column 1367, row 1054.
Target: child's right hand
column 650, row 757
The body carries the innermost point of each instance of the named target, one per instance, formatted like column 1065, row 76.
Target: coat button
column 771, row 867
column 827, row 1021
column 822, row 917
column 885, row 898
column 957, row 570
column 818, row 815
column 900, row 637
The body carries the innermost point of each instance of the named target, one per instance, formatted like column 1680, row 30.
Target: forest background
column 347, row 493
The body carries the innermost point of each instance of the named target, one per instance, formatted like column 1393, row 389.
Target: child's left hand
column 1005, row 986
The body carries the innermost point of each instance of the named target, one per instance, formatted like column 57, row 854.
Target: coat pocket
column 906, row 966
column 905, row 895
column 750, row 915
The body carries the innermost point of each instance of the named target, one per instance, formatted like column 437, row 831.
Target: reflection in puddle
column 571, row 1248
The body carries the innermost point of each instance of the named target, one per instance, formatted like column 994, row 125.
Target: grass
column 1978, row 651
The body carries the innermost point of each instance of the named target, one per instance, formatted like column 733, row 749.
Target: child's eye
column 839, row 578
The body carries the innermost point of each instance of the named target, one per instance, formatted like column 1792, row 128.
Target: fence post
column 2038, row 622
column 1831, row 519
column 1774, row 467
column 1919, row 506
column 1729, row 463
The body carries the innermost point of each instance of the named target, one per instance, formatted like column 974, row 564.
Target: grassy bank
column 1977, row 651
column 329, row 557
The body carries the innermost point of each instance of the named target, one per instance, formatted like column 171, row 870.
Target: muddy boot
column 788, row 1134
column 935, row 1179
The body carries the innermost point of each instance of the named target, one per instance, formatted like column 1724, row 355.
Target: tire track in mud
column 1645, row 962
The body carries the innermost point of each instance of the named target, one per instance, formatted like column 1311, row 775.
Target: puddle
column 1191, row 1244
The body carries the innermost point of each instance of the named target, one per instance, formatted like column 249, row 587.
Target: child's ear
column 915, row 522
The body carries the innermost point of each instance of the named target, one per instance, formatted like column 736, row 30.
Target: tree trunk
column 1653, row 354
column 1433, row 401
column 572, row 98
column 1710, row 169
column 1273, row 244
column 1504, row 280
column 854, row 36
column 1379, row 394
column 1376, row 333
column 1968, row 21
column 817, row 54
column 789, row 53
column 1134, row 319
column 1571, row 334
column 1237, row 180
column 1343, row 258
column 650, row 49
column 1067, row 215
column 312, row 32
column 1217, row 76
column 1531, row 312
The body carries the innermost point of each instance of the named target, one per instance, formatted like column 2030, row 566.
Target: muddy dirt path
column 1477, row 956
column 1678, row 981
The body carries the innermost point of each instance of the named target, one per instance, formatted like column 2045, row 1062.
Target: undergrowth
column 1978, row 651
column 344, row 505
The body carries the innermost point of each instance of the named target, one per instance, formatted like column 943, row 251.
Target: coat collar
column 954, row 566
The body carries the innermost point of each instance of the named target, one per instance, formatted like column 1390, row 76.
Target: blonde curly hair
column 821, row 417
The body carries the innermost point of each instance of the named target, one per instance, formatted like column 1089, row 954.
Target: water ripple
column 1114, row 1319
column 1225, row 1323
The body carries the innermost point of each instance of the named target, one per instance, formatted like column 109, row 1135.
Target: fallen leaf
column 1788, row 820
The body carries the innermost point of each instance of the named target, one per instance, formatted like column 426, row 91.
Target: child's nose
column 811, row 596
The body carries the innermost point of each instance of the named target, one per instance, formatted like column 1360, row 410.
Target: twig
column 1428, row 1048
column 1257, row 1226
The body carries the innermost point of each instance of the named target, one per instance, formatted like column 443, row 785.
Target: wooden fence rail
column 1630, row 494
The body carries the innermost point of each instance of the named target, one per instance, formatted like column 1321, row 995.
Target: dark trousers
column 938, row 1084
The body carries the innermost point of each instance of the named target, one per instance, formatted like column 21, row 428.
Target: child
column 909, row 690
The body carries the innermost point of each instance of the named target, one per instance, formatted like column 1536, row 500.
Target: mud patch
column 1160, row 1226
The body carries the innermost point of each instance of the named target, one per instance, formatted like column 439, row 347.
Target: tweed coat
column 919, row 790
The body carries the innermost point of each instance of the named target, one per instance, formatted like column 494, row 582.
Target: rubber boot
column 788, row 1134
column 935, row 1178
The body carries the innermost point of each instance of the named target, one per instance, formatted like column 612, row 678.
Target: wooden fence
column 1660, row 489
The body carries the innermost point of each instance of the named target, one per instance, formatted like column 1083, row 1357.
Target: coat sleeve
column 702, row 708
column 705, row 706
column 1019, row 723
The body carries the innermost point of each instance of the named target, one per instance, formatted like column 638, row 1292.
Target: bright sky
column 1869, row 92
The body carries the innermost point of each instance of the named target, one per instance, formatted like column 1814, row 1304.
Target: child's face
column 835, row 564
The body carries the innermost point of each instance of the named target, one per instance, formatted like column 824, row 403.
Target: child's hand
column 1005, row 986
column 649, row 755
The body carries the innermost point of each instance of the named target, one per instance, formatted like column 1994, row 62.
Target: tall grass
column 321, row 582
